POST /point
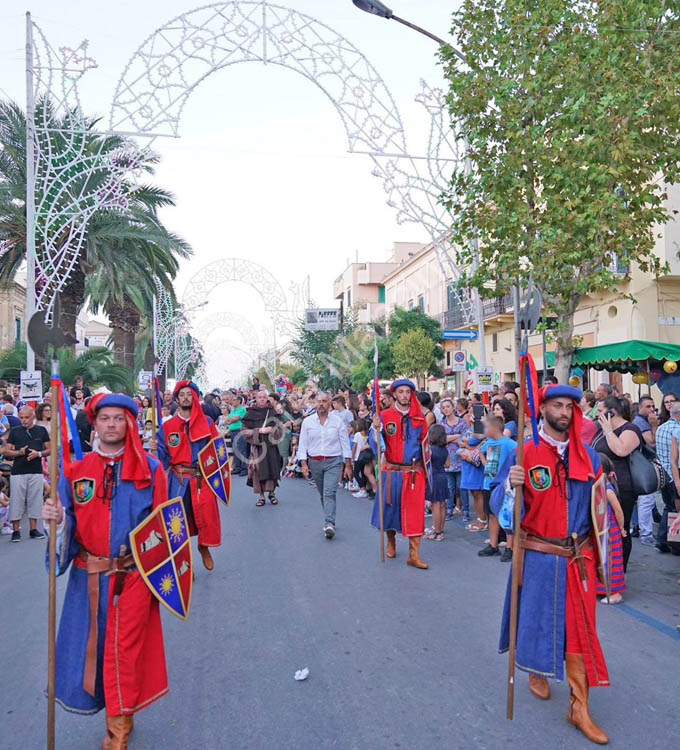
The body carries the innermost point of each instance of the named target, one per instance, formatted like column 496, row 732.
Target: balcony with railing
column 497, row 311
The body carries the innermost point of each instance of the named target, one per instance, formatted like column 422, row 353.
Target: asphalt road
column 398, row 658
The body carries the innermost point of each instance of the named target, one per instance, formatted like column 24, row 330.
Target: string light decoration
column 76, row 171
column 163, row 320
column 75, row 176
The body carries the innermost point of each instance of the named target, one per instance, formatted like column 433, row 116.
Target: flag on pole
column 159, row 403
column 66, row 425
column 528, row 368
column 375, row 397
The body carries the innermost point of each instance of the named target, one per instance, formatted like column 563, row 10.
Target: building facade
column 639, row 306
column 12, row 314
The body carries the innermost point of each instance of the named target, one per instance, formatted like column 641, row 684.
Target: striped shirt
column 663, row 442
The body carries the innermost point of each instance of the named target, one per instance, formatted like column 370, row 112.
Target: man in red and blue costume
column 557, row 594
column 178, row 442
column 109, row 650
column 404, row 432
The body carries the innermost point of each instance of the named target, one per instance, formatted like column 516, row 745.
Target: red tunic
column 175, row 449
column 131, row 670
column 555, row 507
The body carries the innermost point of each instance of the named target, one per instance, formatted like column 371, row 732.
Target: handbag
column 646, row 471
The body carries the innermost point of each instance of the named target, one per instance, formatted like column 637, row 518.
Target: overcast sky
column 261, row 170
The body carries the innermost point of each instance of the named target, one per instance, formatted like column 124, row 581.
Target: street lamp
column 376, row 8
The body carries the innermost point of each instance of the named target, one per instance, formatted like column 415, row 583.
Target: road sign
column 31, row 385
column 322, row 319
column 468, row 335
column 484, row 376
column 459, row 360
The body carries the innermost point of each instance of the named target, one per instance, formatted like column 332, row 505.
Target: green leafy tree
column 95, row 366
column 413, row 353
column 124, row 247
column 572, row 117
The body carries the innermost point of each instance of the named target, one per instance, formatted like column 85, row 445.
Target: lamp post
column 377, row 8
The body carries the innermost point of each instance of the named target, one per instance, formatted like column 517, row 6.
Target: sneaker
column 36, row 534
column 507, row 555
column 466, row 517
column 329, row 530
column 635, row 531
column 449, row 516
column 16, row 536
column 361, row 493
column 663, row 548
column 648, row 541
column 6, row 530
column 488, row 551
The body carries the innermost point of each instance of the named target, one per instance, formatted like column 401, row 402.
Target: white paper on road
column 302, row 674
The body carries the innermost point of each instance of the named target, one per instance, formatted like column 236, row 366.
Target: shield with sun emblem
column 214, row 463
column 161, row 548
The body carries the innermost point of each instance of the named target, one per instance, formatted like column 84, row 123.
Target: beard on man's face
column 560, row 424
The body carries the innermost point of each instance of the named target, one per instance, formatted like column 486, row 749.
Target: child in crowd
column 439, row 490
column 615, row 571
column 147, row 434
column 362, row 455
column 5, row 525
column 493, row 452
column 293, row 468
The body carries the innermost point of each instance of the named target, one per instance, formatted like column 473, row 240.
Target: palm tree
column 95, row 366
column 113, row 234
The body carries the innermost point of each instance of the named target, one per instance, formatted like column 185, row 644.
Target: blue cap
column 403, row 381
column 560, row 391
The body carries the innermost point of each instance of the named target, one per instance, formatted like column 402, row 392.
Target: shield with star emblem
column 161, row 549
column 214, row 463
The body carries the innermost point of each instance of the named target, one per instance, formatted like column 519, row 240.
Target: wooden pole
column 381, row 512
column 154, row 416
column 517, row 551
column 52, row 576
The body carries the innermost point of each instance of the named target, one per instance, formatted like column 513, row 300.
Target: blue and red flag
column 528, row 373
column 66, row 424
column 159, row 402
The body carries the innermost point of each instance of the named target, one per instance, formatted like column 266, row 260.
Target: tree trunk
column 564, row 338
column 72, row 299
column 117, row 320
column 132, row 320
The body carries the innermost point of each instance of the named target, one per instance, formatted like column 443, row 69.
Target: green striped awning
column 624, row 356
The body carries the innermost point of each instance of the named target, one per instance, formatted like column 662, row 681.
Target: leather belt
column 322, row 458
column 414, row 466
column 571, row 547
column 185, row 470
column 409, row 468
column 93, row 566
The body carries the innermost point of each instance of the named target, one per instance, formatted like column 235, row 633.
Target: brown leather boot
column 208, row 563
column 391, row 550
column 578, row 714
column 413, row 557
column 539, row 686
column 118, row 730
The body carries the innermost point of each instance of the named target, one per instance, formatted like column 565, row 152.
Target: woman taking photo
column 618, row 439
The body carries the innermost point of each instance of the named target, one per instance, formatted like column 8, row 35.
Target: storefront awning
column 624, row 356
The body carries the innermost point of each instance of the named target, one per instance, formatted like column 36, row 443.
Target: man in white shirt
column 323, row 445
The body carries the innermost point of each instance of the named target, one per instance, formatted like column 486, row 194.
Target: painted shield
column 600, row 515
column 427, row 459
column 214, row 463
column 161, row 548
